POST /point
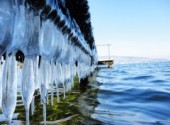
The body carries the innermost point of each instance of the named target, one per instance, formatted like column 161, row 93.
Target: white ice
column 9, row 87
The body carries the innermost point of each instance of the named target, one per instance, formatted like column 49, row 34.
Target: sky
column 132, row 27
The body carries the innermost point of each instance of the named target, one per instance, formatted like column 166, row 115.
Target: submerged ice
column 54, row 50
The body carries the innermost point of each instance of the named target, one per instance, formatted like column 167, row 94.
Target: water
column 134, row 94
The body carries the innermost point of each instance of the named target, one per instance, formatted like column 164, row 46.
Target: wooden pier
column 106, row 61
column 109, row 63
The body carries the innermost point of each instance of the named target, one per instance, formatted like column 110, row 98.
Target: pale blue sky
column 133, row 27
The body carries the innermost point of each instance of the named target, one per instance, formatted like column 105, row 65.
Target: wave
column 135, row 94
column 139, row 77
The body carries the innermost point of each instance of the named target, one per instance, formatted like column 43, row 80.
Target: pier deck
column 108, row 62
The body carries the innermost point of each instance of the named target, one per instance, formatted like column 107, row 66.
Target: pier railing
column 105, row 59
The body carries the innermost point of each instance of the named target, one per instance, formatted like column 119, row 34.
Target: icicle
column 0, row 84
column 36, row 78
column 9, row 87
column 64, row 74
column 70, row 77
column 52, row 74
column 62, row 79
column 36, row 81
column 49, row 77
column 44, row 113
column 57, row 92
column 44, row 82
column 52, row 94
column 47, row 98
column 51, row 80
column 67, row 77
column 28, row 85
column 64, row 91
column 33, row 106
column 56, row 80
column 73, row 75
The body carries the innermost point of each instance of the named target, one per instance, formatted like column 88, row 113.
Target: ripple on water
column 145, row 77
column 135, row 95
column 158, row 81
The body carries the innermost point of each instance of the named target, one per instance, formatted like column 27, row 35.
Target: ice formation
column 54, row 49
column 9, row 87
column 1, row 66
column 28, row 85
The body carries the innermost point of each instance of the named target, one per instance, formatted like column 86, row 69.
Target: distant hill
column 130, row 59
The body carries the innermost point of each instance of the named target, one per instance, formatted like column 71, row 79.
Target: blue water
column 134, row 94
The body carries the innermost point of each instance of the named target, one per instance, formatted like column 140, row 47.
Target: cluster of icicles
column 30, row 77
column 21, row 29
